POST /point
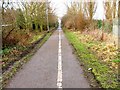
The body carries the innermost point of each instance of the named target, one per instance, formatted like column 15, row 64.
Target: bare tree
column 90, row 9
column 119, row 10
column 114, row 8
column 110, row 9
column 75, row 18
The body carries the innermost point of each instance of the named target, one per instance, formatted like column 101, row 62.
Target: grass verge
column 102, row 73
column 18, row 65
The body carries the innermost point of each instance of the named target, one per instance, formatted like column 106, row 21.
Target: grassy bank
column 104, row 75
column 6, row 76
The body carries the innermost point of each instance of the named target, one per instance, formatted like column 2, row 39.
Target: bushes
column 19, row 36
column 79, row 15
column 80, row 21
column 106, row 51
column 23, row 26
column 75, row 22
column 99, row 24
column 24, row 21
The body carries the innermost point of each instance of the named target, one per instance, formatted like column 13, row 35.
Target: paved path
column 53, row 66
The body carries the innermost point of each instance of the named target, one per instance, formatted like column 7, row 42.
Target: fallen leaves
column 105, row 51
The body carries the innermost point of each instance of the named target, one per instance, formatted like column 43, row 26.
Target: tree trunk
column 119, row 10
column 119, row 45
column 9, row 34
column 2, row 10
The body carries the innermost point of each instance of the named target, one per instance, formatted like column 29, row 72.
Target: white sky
column 60, row 8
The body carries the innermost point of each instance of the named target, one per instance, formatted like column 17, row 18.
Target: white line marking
column 59, row 77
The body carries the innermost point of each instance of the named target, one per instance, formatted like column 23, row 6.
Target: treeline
column 21, row 19
column 80, row 15
column 87, row 33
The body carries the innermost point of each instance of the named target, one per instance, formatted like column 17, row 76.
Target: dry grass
column 106, row 50
column 107, row 37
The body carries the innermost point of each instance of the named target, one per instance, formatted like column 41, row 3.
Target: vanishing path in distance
column 53, row 66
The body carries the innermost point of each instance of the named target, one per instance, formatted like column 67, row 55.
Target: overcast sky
column 60, row 7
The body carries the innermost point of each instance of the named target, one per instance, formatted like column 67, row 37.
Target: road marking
column 59, row 77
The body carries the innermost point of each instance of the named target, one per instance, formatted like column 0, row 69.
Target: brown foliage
column 81, row 22
column 17, row 37
column 75, row 18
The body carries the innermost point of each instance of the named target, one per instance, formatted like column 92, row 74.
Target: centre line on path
column 59, row 77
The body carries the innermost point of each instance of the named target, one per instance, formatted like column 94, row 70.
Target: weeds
column 106, row 76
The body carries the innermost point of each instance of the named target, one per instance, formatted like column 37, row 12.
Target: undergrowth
column 106, row 76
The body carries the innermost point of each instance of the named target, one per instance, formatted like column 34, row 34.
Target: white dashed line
column 59, row 77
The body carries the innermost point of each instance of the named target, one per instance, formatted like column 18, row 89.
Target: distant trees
column 27, row 16
column 79, row 15
column 36, row 16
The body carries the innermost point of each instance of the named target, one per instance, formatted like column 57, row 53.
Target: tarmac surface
column 53, row 66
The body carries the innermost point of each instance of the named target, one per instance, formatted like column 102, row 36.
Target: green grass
column 15, row 68
column 116, row 60
column 102, row 72
column 35, row 38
